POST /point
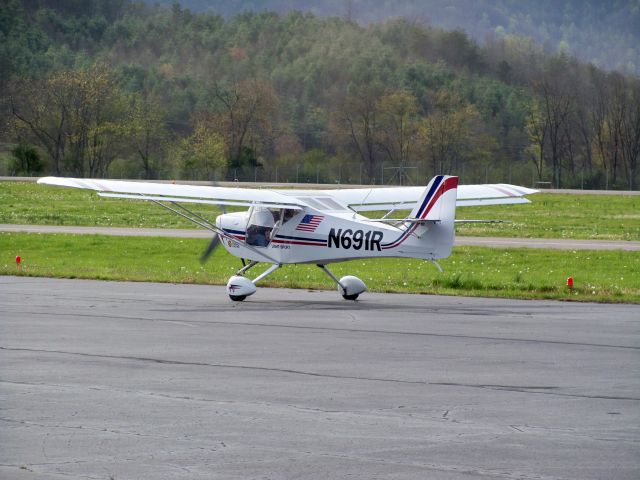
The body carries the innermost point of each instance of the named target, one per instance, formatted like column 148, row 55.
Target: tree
column 446, row 133
column 398, row 125
column 146, row 129
column 40, row 110
column 537, row 129
column 75, row 115
column 201, row 153
column 355, row 124
column 97, row 121
column 630, row 131
column 556, row 100
column 599, row 113
column 246, row 119
column 26, row 161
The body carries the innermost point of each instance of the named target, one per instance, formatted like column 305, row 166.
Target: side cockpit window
column 260, row 226
column 287, row 215
column 264, row 222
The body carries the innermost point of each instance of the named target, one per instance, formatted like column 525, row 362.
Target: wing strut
column 204, row 223
column 195, row 218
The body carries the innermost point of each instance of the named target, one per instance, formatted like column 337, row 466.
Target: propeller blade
column 215, row 241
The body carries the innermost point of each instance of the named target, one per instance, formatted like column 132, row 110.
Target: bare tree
column 74, row 115
column 630, row 132
column 397, row 127
column 356, row 119
column 445, row 134
column 556, row 98
column 40, row 109
column 538, row 130
column 147, row 131
column 247, row 117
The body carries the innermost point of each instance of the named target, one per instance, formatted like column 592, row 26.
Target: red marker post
column 570, row 284
column 18, row 260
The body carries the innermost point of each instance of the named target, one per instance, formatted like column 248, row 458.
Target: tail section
column 435, row 203
column 437, row 207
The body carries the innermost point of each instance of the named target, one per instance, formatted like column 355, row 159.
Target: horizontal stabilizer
column 403, row 220
column 491, row 201
column 482, row 221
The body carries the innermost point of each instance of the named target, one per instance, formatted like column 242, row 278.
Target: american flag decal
column 309, row 223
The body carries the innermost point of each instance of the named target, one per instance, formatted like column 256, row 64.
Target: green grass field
column 608, row 217
column 604, row 276
column 591, row 217
column 29, row 203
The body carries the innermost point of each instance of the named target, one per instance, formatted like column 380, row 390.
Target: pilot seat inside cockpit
column 264, row 222
column 260, row 226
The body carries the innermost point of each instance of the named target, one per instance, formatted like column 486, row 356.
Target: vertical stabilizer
column 437, row 207
column 435, row 203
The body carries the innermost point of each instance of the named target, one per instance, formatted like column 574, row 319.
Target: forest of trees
column 605, row 33
column 132, row 90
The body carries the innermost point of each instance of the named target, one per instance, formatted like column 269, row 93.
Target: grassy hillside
column 604, row 33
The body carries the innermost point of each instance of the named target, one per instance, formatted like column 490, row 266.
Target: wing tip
column 519, row 189
column 59, row 182
column 46, row 180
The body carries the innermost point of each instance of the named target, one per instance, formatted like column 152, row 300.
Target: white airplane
column 317, row 226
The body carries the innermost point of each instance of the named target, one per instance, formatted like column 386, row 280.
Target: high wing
column 399, row 198
column 358, row 199
column 169, row 192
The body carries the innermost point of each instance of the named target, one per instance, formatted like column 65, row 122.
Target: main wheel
column 238, row 298
column 351, row 297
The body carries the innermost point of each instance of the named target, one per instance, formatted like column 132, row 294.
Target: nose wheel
column 351, row 297
column 239, row 287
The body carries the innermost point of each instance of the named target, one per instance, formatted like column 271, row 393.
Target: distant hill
column 605, row 33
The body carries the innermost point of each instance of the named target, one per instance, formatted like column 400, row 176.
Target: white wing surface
column 168, row 192
column 386, row 198
column 359, row 199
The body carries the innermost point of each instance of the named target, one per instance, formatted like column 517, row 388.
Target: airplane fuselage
column 322, row 237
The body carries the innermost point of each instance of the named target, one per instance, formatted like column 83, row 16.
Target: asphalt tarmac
column 107, row 380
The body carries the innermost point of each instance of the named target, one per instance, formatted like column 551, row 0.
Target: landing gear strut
column 350, row 287
column 239, row 287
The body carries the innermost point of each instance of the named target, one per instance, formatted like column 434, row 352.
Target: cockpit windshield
column 264, row 222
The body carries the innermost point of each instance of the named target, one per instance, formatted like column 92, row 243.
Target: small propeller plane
column 317, row 226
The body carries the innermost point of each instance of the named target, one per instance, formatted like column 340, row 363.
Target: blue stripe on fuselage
column 304, row 239
column 235, row 232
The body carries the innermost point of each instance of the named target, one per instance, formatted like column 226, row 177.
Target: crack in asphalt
column 332, row 329
column 79, row 427
column 541, row 390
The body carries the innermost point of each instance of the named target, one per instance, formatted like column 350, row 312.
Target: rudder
column 437, row 206
column 434, row 204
